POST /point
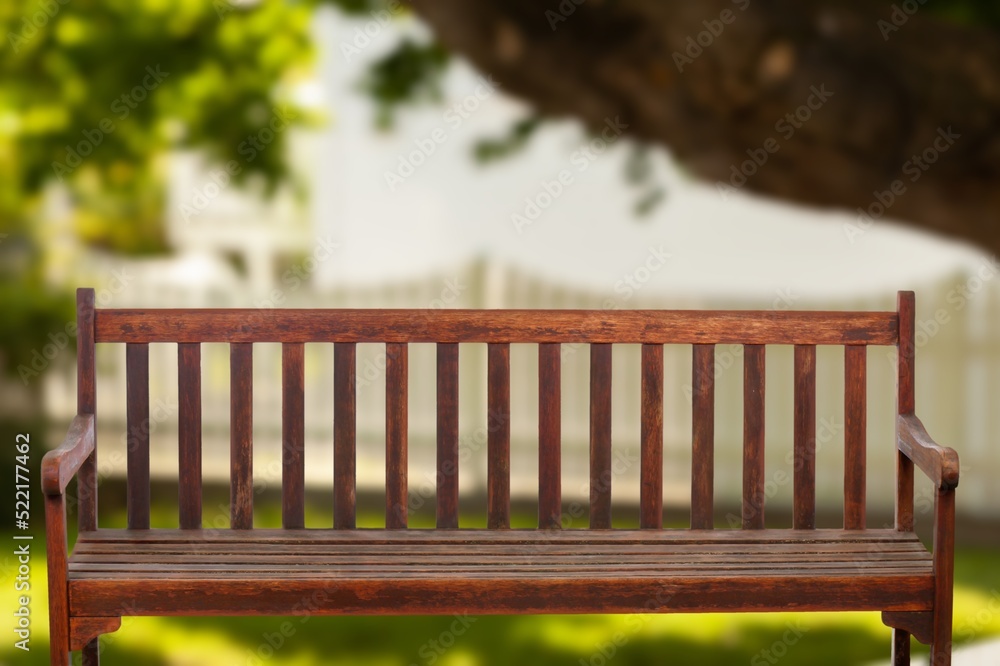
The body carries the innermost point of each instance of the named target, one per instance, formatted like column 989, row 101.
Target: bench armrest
column 940, row 463
column 61, row 464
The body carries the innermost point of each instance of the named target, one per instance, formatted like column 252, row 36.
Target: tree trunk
column 850, row 104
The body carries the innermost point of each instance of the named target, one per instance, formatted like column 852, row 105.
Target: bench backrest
column 498, row 329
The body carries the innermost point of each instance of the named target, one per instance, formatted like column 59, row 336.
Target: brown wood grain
column 900, row 648
column 189, row 434
column 56, row 556
column 918, row 624
column 344, row 435
column 600, row 436
column 905, row 364
column 60, row 464
column 939, row 463
column 86, row 403
column 944, row 575
column 651, row 436
column 498, row 326
column 138, row 425
column 191, row 571
column 753, row 437
column 498, row 436
column 549, row 436
column 91, row 654
column 241, row 435
column 804, row 473
column 703, row 437
column 396, row 378
column 447, row 436
column 840, row 591
column 84, row 630
column 855, row 435
column 293, row 423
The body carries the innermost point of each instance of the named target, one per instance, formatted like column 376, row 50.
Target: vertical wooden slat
column 549, row 436
column 753, row 437
column 344, row 435
column 137, row 424
column 600, row 436
column 855, row 435
column 293, row 467
column 498, row 437
column 804, row 513
column 651, row 435
column 241, row 435
column 86, row 403
column 395, row 435
column 905, row 405
column 703, row 438
column 189, row 434
column 447, row 436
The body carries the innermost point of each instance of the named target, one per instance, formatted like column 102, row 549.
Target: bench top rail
column 498, row 326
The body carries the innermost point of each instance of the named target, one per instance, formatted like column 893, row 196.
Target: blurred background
column 575, row 154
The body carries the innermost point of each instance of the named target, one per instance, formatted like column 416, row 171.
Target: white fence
column 958, row 386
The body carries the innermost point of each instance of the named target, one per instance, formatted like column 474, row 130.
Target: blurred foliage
column 410, row 74
column 513, row 142
column 93, row 92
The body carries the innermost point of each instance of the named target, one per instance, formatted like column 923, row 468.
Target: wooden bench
column 344, row 570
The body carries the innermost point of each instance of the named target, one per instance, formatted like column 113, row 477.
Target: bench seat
column 225, row 572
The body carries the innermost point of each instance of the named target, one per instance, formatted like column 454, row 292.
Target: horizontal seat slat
column 447, row 550
column 497, row 326
column 417, row 535
column 515, row 594
column 375, row 571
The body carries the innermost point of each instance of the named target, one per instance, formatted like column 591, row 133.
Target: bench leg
column 900, row 647
column 91, row 654
column 941, row 646
column 944, row 576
